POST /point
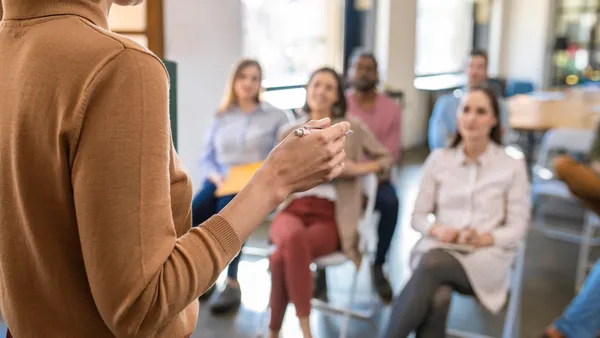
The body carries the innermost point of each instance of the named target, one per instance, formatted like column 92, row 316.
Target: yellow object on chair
column 237, row 178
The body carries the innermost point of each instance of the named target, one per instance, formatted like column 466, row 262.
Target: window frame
column 154, row 31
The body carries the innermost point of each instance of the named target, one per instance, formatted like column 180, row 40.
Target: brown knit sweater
column 95, row 206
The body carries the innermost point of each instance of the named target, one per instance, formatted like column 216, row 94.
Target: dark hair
column 495, row 133
column 359, row 53
column 339, row 107
column 479, row 53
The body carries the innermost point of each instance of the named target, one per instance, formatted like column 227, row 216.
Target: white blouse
column 325, row 191
column 490, row 194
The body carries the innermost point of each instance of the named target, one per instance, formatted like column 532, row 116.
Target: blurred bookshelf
column 575, row 52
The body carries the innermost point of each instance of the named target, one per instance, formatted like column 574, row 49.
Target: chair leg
column 584, row 251
column 511, row 322
column 517, row 327
column 263, row 325
column 346, row 320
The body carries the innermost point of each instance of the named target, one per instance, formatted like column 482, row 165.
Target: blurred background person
column 319, row 221
column 383, row 117
column 583, row 180
column 244, row 132
column 581, row 319
column 480, row 197
column 442, row 124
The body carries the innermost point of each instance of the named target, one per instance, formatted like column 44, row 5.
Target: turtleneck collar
column 95, row 11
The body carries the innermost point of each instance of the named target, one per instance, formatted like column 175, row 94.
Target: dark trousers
column 387, row 204
column 423, row 304
column 204, row 205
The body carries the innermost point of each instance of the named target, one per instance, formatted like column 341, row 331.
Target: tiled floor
column 548, row 282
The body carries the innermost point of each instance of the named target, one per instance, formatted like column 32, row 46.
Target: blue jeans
column 581, row 319
column 387, row 204
column 204, row 205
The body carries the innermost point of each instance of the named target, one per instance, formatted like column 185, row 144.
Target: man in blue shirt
column 442, row 123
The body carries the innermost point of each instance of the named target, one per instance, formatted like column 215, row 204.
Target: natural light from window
column 291, row 38
column 444, row 35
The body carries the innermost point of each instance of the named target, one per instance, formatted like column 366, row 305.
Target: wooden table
column 576, row 110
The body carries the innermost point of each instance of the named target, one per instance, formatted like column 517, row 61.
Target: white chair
column 370, row 220
column 589, row 239
column 372, row 225
column 544, row 182
column 370, row 184
column 513, row 311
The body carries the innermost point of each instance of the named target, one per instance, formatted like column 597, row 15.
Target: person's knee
column 433, row 261
column 442, row 297
column 293, row 239
column 276, row 261
column 562, row 165
column 276, row 257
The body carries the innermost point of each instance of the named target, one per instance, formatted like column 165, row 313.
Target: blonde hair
column 230, row 98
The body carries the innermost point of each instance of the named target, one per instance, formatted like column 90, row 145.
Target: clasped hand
column 300, row 163
column 466, row 236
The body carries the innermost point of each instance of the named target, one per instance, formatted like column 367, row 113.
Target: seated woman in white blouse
column 480, row 197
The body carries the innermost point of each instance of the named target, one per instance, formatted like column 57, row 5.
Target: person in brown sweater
column 95, row 205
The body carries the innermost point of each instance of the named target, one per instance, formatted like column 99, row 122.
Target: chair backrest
column 369, row 188
column 370, row 184
column 514, row 87
column 567, row 139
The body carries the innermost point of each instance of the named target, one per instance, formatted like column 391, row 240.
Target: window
column 481, row 25
column 142, row 23
column 576, row 57
column 291, row 38
column 444, row 36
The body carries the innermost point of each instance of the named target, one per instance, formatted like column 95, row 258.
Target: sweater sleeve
column 141, row 275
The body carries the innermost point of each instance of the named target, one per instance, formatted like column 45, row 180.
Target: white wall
column 395, row 46
column 526, row 40
column 205, row 38
column 498, row 22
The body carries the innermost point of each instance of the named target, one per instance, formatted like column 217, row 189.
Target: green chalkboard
column 172, row 70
